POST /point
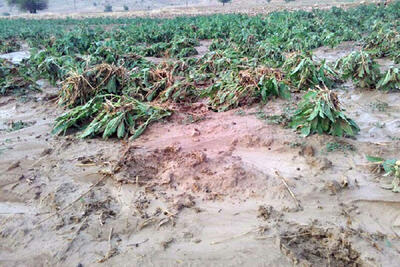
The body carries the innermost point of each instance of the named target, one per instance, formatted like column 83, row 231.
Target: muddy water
column 331, row 55
column 377, row 113
column 16, row 57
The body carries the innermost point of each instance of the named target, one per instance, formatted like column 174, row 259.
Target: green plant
column 391, row 167
column 15, row 79
column 384, row 40
column 8, row 46
column 361, row 68
column 77, row 88
column 247, row 87
column 110, row 115
column 180, row 92
column 306, row 73
column 390, row 80
column 320, row 112
column 182, row 47
column 126, row 8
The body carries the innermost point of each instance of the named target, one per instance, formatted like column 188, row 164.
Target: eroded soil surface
column 200, row 188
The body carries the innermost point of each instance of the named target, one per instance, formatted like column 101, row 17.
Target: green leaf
column 374, row 159
column 121, row 129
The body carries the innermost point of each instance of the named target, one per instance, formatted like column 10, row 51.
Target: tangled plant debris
column 310, row 245
column 108, row 115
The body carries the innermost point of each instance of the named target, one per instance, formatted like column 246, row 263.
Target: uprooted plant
column 246, row 87
column 148, row 83
column 110, row 114
column 78, row 88
column 320, row 112
column 391, row 167
column 306, row 73
column 361, row 68
column 383, row 41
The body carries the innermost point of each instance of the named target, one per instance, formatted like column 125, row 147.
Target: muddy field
column 200, row 188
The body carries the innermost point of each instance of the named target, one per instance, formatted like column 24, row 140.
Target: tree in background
column 29, row 5
column 224, row 1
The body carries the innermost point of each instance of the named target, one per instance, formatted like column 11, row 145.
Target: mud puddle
column 16, row 57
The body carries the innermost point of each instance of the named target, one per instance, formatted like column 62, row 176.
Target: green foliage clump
column 180, row 92
column 306, row 73
column 15, row 79
column 320, row 112
column 8, row 46
column 383, row 41
column 246, row 87
column 269, row 54
column 361, row 68
column 156, row 50
column 109, row 115
column 183, row 47
column 390, row 80
column 78, row 88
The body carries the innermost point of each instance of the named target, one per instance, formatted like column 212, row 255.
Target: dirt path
column 202, row 188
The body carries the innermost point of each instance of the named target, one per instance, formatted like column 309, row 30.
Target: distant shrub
column 224, row 1
column 94, row 4
column 5, row 14
column 108, row 8
column 126, row 8
column 29, row 5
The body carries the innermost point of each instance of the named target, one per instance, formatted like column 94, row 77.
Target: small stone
column 195, row 132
